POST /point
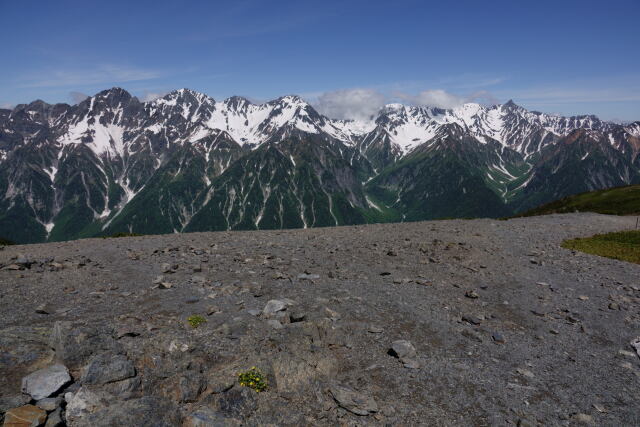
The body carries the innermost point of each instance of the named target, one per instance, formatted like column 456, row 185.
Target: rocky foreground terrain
column 478, row 322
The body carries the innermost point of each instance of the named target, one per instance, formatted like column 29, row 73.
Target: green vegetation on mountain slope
column 614, row 201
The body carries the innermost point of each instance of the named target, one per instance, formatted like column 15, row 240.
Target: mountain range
column 186, row 162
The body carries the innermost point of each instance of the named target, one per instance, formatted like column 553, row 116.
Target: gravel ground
column 507, row 327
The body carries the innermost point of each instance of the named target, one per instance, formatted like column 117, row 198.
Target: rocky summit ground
column 461, row 322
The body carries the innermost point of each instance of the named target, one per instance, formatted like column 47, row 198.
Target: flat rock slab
column 24, row 416
column 45, row 382
column 352, row 401
column 107, row 368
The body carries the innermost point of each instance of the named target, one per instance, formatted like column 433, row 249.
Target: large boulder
column 353, row 401
column 85, row 402
column 23, row 349
column 107, row 368
column 75, row 343
column 208, row 417
column 148, row 411
column 45, row 382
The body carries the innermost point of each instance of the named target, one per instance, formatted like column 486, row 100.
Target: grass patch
column 6, row 242
column 196, row 320
column 122, row 234
column 623, row 245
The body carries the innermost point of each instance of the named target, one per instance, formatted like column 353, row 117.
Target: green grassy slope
column 623, row 245
column 613, row 201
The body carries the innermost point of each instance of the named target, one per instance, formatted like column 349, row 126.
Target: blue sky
column 570, row 57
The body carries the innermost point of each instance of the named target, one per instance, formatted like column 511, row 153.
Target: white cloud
column 358, row 104
column 77, row 97
column 432, row 98
column 364, row 104
column 150, row 96
column 7, row 106
column 105, row 74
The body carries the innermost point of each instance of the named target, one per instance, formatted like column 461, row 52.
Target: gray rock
column 166, row 268
column 297, row 316
column 55, row 419
column 352, row 401
column 274, row 306
column 635, row 344
column 23, row 260
column 184, row 388
column 585, row 419
column 498, row 337
column 8, row 402
column 205, row 417
column 410, row 363
column 45, row 309
column 75, row 343
column 305, row 276
column 275, row 324
column 83, row 403
column 49, row 403
column 471, row 335
column 107, row 368
column 471, row 294
column 471, row 319
column 125, row 388
column 45, row 382
column 237, row 402
column 145, row 411
column 198, row 279
column 402, row 349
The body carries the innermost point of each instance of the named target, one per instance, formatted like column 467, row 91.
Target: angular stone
column 83, row 403
column 45, row 309
column 471, row 319
column 23, row 260
column 184, row 388
column 635, row 344
column 275, row 324
column 274, row 306
column 145, row 411
column 402, row 349
column 352, row 401
column 237, row 402
column 498, row 338
column 75, row 343
column 55, row 419
column 410, row 363
column 583, row 419
column 471, row 294
column 24, row 416
column 49, row 403
column 45, row 382
column 107, row 368
column 8, row 402
column 204, row 417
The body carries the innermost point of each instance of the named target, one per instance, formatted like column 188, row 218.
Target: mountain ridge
column 112, row 163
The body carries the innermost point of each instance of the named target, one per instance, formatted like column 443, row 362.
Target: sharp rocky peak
column 237, row 102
